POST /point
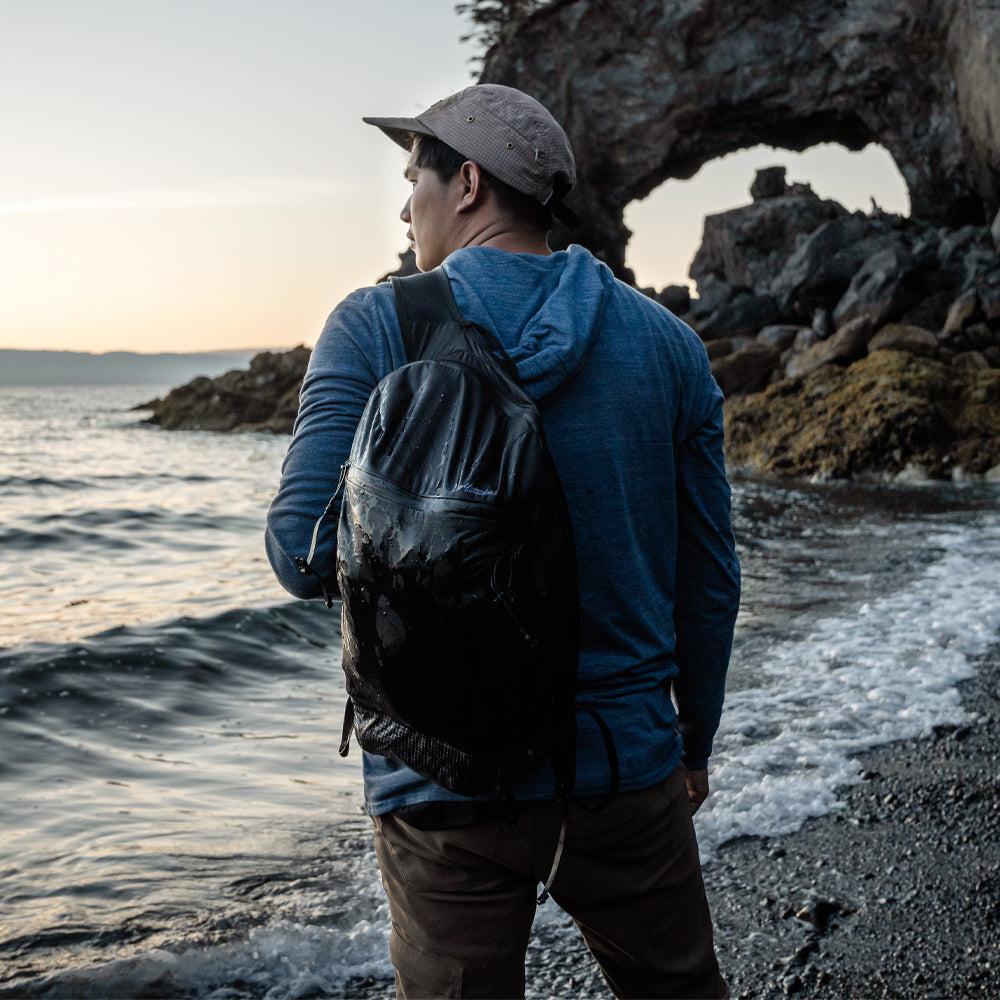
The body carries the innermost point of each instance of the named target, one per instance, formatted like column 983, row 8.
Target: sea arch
column 666, row 227
column 654, row 89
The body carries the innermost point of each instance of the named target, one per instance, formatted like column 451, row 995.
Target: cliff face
column 653, row 89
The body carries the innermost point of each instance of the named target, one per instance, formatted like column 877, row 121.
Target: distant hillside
column 19, row 367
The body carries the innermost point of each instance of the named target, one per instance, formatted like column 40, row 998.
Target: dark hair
column 430, row 153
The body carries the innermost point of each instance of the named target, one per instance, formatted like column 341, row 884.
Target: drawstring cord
column 563, row 795
column 544, row 894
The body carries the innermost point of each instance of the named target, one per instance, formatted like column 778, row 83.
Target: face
column 430, row 214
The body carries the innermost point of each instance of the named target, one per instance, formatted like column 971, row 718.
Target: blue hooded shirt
column 633, row 419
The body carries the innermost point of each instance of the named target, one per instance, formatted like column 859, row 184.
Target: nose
column 405, row 214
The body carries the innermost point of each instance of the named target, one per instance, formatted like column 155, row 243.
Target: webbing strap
column 431, row 322
column 423, row 298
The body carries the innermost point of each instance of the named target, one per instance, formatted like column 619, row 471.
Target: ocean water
column 174, row 817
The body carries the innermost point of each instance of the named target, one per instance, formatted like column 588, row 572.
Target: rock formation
column 653, row 89
column 792, row 285
column 892, row 415
column 847, row 344
column 264, row 398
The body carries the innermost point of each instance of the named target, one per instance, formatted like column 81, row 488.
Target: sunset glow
column 196, row 176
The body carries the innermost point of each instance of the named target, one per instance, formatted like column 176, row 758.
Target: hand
column 697, row 788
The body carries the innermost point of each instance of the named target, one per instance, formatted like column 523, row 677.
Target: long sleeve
column 359, row 345
column 707, row 586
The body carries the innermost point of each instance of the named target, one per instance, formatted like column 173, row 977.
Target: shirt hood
column 545, row 310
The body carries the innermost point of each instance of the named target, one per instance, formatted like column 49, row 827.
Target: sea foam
column 856, row 681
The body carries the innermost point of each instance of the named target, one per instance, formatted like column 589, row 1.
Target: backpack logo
column 477, row 491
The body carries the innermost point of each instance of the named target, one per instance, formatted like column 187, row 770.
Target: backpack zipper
column 502, row 594
column 305, row 565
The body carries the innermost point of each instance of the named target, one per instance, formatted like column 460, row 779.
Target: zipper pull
column 304, row 565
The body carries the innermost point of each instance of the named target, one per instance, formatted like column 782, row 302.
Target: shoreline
column 897, row 894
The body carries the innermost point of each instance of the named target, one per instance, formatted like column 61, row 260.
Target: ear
column 473, row 187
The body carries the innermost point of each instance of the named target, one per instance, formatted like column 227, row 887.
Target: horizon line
column 149, row 354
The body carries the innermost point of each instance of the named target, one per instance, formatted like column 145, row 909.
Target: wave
column 295, row 924
column 314, row 923
column 227, row 647
column 32, row 484
column 152, row 679
column 124, row 528
column 888, row 670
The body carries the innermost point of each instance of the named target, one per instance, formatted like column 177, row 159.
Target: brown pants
column 462, row 900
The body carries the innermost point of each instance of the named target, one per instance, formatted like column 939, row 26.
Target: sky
column 187, row 175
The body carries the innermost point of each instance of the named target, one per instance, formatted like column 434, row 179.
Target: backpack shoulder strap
column 423, row 303
column 433, row 326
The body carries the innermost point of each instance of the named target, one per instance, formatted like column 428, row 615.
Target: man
column 633, row 419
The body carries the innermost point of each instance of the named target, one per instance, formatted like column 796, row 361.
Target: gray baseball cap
column 506, row 132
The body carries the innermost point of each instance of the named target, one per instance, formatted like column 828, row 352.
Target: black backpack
column 456, row 563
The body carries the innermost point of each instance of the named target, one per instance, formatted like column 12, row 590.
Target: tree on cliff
column 493, row 21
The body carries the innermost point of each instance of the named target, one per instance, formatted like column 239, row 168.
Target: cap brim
column 400, row 130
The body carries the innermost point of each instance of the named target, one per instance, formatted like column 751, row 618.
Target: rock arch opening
column 667, row 226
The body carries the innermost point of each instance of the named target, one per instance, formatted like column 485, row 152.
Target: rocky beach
column 896, row 895
column 849, row 346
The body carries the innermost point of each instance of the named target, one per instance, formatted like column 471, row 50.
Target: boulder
column 988, row 293
column 768, row 183
column 806, row 338
column 781, row 336
column 929, row 311
column 970, row 361
column 962, row 311
column 822, row 323
column 882, row 289
column 747, row 370
column 846, row 345
column 713, row 292
column 821, row 268
column 676, row 298
column 912, row 339
column 747, row 246
column 720, row 348
column 741, row 316
column 980, row 336
column 884, row 413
